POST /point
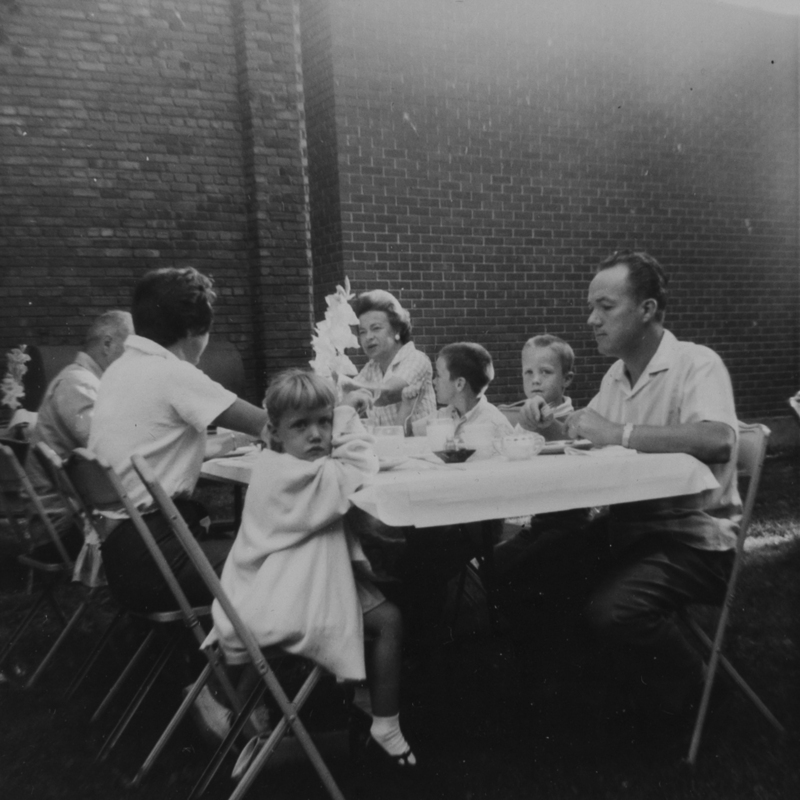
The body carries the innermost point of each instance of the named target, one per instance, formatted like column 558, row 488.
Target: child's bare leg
column 383, row 625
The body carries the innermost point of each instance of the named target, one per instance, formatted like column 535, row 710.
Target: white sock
column 386, row 732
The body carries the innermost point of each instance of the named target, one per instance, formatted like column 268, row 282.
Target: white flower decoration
column 12, row 386
column 333, row 335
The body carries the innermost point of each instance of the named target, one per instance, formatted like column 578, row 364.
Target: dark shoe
column 367, row 754
column 375, row 756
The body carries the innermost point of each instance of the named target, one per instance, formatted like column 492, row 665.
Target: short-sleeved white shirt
column 484, row 413
column 153, row 403
column 683, row 383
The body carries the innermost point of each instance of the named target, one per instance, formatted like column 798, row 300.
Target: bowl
column 520, row 446
column 454, row 456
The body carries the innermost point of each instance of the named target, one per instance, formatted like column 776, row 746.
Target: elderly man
column 65, row 413
column 631, row 569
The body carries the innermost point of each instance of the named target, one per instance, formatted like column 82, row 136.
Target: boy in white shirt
column 547, row 371
column 463, row 371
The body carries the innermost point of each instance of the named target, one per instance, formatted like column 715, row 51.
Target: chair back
column 92, row 481
column 198, row 558
column 53, row 468
column 14, row 481
column 794, row 404
column 101, row 489
column 752, row 451
column 19, row 447
column 749, row 463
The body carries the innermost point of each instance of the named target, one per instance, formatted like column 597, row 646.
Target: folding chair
column 794, row 404
column 94, row 529
column 21, row 506
column 101, row 490
column 289, row 708
column 752, row 451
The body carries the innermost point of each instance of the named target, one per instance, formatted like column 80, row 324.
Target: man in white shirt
column 65, row 413
column 643, row 561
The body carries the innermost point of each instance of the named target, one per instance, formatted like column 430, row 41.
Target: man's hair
column 380, row 300
column 114, row 323
column 171, row 303
column 469, row 361
column 646, row 277
column 296, row 390
column 566, row 355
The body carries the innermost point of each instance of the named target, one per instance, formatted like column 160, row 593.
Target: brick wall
column 150, row 133
column 477, row 159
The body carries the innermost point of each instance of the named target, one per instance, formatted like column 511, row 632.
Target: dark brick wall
column 479, row 158
column 475, row 158
column 127, row 143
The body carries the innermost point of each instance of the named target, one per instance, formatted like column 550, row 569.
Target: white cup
column 438, row 431
column 388, row 440
column 520, row 446
column 479, row 438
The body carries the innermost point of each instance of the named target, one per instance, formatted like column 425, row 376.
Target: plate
column 454, row 456
column 557, row 446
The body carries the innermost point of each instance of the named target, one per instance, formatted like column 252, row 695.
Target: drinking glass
column 438, row 432
column 388, row 440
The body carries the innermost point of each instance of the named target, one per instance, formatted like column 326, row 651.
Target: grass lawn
column 467, row 714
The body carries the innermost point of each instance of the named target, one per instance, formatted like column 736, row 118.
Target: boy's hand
column 536, row 414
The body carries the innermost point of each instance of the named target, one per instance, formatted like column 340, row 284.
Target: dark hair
column 566, row 355
column 171, row 303
column 646, row 277
column 379, row 300
column 469, row 361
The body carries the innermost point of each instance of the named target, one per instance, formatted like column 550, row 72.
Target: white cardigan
column 289, row 572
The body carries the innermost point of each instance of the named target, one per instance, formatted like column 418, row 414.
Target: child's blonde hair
column 565, row 353
column 297, row 389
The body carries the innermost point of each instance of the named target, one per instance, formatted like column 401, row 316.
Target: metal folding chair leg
column 290, row 719
column 137, row 700
column 176, row 720
column 68, row 628
column 21, row 628
column 129, row 668
column 94, row 654
column 726, row 665
column 237, row 726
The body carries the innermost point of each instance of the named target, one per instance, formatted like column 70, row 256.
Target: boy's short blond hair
column 565, row 353
column 297, row 389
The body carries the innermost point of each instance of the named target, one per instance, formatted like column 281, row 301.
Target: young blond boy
column 547, row 371
column 463, row 371
column 548, row 364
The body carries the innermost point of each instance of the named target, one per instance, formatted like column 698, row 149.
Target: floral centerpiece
column 333, row 335
column 12, row 387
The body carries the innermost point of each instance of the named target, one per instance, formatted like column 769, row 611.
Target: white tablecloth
column 425, row 495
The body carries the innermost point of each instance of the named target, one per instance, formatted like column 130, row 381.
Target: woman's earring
column 397, row 337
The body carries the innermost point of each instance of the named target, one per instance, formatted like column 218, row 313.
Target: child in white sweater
column 293, row 572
